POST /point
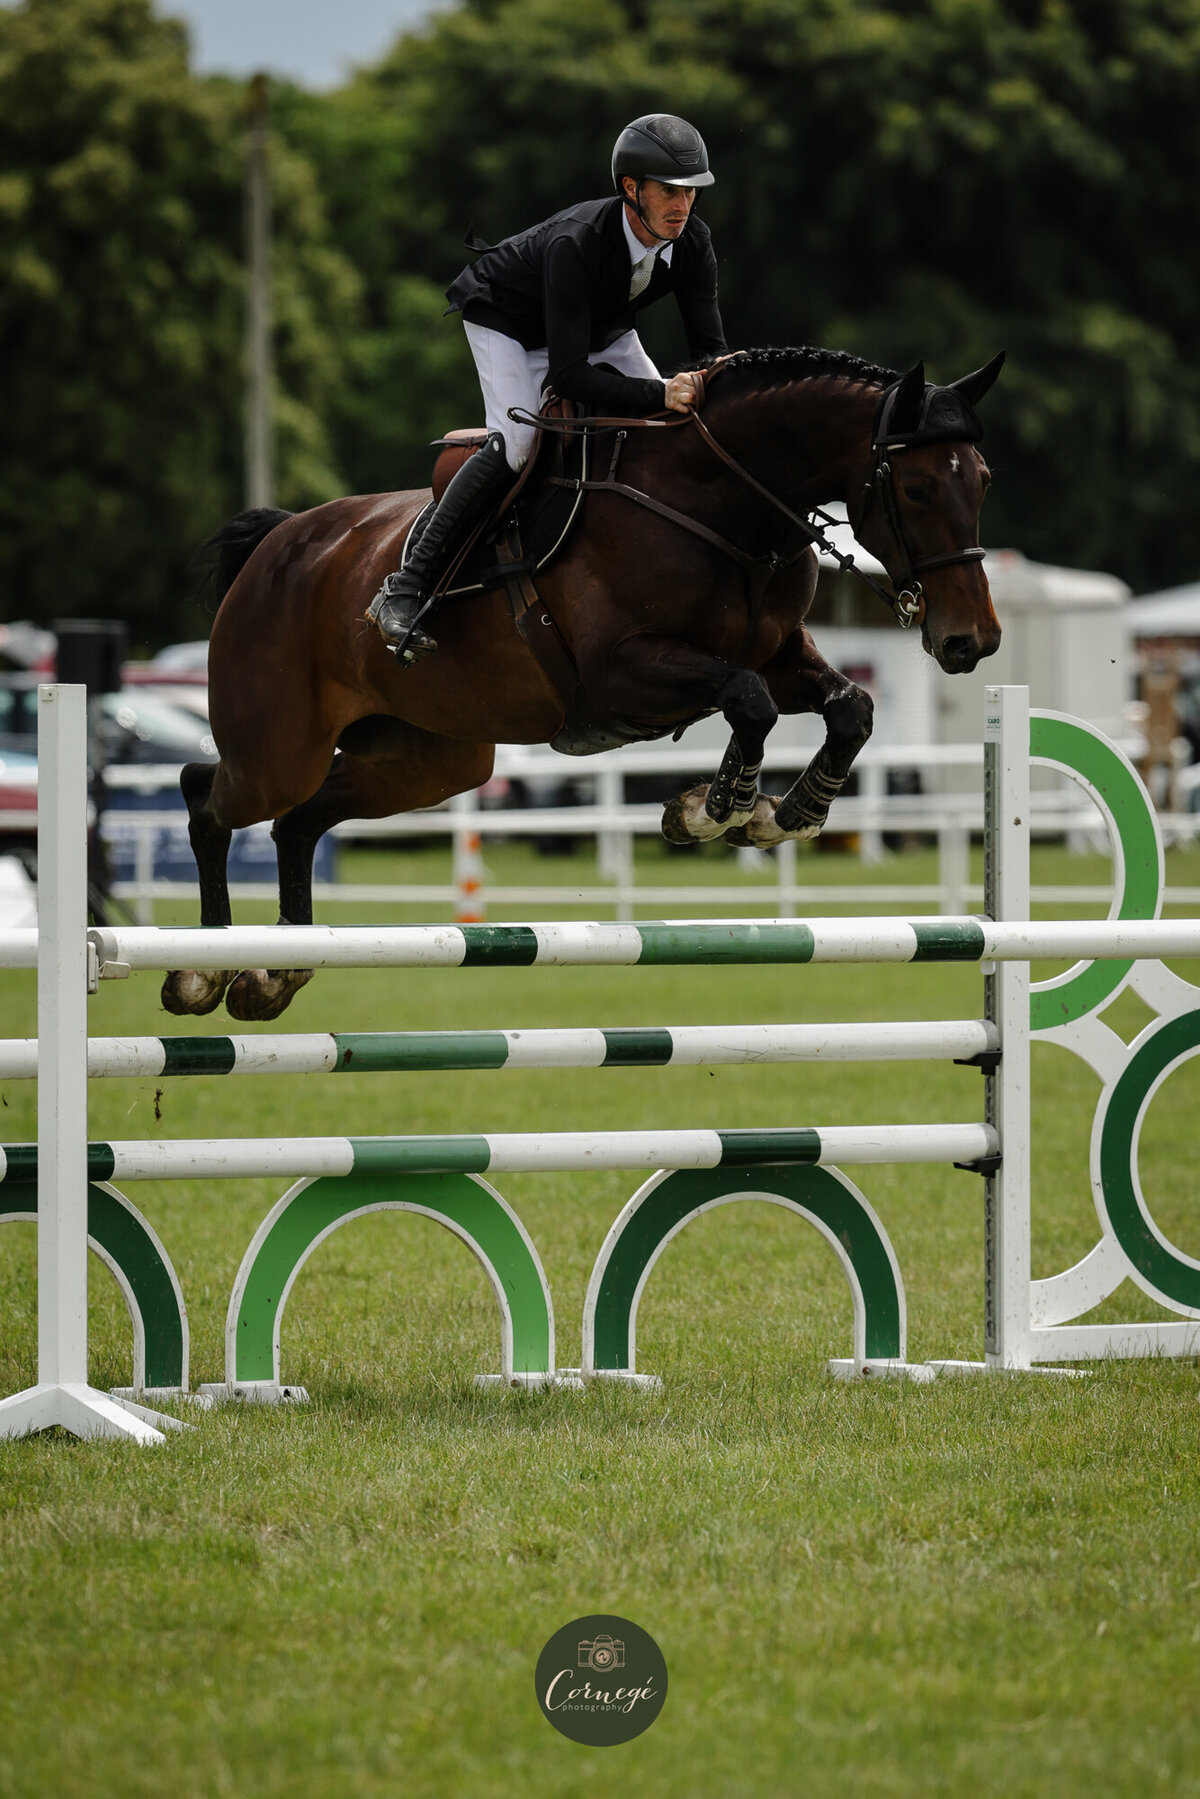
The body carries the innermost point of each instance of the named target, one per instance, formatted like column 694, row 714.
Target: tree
column 905, row 178
column 121, row 315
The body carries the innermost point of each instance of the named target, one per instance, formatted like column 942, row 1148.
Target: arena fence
column 67, row 1183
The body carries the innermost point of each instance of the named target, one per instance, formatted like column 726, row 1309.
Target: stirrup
column 397, row 613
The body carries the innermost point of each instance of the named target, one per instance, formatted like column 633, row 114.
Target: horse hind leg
column 193, row 991
column 416, row 768
column 259, row 994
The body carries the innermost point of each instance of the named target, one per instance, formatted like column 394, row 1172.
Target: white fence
column 949, row 818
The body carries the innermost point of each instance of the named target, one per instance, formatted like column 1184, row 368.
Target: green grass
column 658, row 864
column 984, row 1587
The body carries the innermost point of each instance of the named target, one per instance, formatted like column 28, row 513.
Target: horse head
column 914, row 502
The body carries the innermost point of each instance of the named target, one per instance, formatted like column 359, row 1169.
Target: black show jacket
column 563, row 285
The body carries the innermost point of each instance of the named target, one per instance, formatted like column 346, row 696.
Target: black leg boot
column 405, row 595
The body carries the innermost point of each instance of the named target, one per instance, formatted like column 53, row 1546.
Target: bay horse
column 682, row 591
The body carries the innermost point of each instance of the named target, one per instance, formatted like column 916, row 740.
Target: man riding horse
column 557, row 305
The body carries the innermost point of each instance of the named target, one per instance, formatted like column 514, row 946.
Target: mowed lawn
column 971, row 1588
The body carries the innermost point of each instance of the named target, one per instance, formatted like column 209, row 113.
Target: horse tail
column 224, row 555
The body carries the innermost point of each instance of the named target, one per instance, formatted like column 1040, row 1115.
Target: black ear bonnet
column 915, row 411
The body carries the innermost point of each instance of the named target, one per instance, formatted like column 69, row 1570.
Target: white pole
column 145, row 839
column 260, row 478
column 610, row 794
column 1007, row 1265
column 872, row 785
column 62, row 1395
column 954, row 865
column 785, row 856
column 470, row 896
column 62, row 1034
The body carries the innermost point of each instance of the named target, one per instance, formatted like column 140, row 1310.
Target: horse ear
column 905, row 415
column 973, row 387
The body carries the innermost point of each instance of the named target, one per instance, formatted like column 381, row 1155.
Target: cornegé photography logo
column 601, row 1680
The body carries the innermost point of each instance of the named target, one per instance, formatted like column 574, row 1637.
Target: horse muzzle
column 960, row 652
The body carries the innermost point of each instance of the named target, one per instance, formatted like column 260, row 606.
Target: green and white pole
column 419, row 1052
column 684, row 943
column 515, row 1152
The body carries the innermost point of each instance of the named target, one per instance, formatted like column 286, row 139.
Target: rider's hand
column 684, row 391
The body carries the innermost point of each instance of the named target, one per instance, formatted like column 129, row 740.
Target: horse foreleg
column 807, row 683
column 729, row 798
column 191, row 990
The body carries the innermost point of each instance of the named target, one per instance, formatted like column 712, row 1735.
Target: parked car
column 138, row 726
column 179, row 659
column 18, row 807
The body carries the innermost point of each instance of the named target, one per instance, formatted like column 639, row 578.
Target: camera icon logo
column 602, row 1655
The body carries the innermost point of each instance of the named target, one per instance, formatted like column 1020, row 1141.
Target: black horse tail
column 223, row 556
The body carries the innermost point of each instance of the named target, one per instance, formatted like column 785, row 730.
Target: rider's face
column 666, row 208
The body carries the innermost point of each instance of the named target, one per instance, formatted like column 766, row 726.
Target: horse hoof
column 685, row 819
column 760, row 832
column 260, row 994
column 190, row 993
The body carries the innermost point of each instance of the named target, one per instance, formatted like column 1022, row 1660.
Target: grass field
column 971, row 1588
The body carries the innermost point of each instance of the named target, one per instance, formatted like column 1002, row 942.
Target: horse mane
column 802, row 362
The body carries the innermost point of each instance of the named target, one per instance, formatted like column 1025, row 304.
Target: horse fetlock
column 763, row 831
column 686, row 818
column 191, row 992
column 732, row 801
column 805, row 806
column 259, row 994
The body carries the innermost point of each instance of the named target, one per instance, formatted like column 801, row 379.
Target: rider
column 556, row 305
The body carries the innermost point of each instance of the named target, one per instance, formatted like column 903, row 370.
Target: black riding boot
column 400, row 601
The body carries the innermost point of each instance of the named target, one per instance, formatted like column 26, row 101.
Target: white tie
column 641, row 275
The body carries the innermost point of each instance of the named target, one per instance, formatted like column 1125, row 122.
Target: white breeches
column 512, row 376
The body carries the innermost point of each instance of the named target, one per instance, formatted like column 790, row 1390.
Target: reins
column 904, row 603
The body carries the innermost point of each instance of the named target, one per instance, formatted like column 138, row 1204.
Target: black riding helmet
column 662, row 148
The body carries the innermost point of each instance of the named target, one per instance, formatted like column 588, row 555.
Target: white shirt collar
column 638, row 251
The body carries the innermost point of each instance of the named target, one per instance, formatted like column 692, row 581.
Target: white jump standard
column 66, row 1183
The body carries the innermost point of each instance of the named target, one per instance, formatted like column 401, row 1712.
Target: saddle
column 550, row 455
column 531, row 525
column 528, row 528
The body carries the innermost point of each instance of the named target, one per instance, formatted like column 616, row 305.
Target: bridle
column 907, row 599
column 882, row 485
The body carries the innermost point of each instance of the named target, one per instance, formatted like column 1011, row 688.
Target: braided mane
column 803, row 362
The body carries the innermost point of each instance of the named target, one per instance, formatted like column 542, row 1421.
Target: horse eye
column 920, row 496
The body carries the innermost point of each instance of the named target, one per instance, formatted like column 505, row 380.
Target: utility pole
column 260, row 473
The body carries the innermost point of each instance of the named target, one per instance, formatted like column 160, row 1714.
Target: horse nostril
column 959, row 654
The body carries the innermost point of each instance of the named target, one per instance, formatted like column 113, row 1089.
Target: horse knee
column 749, row 710
column 850, row 718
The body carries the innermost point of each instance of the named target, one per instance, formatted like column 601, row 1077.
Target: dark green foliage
column 121, row 314
column 920, row 178
column 898, row 178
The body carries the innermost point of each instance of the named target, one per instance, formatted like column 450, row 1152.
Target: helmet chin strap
column 636, row 205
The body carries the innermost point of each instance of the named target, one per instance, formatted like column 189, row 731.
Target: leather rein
column 905, row 602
